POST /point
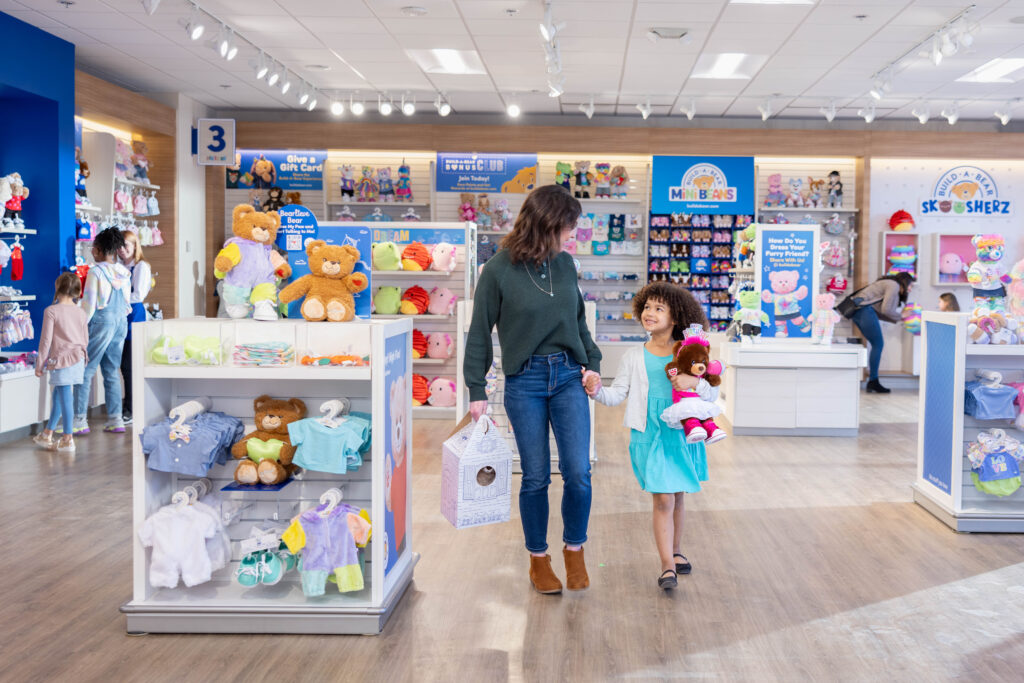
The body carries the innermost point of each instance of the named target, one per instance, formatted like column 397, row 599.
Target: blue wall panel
column 937, row 466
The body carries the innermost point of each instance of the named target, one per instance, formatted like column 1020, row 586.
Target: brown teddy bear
column 266, row 454
column 249, row 265
column 293, row 198
column 690, row 410
column 275, row 199
column 330, row 285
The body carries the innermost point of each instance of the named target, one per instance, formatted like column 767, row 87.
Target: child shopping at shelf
column 665, row 465
column 948, row 303
column 131, row 258
column 105, row 302
column 62, row 351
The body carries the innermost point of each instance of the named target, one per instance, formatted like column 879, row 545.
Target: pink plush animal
column 824, row 319
column 442, row 301
column 951, row 268
column 442, row 393
column 439, row 345
column 443, row 257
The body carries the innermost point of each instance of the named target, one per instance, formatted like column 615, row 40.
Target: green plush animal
column 750, row 316
column 387, row 300
column 386, row 256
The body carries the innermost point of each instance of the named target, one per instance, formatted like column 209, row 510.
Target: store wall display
column 706, row 185
column 472, row 172
column 787, row 277
column 392, row 178
column 269, row 178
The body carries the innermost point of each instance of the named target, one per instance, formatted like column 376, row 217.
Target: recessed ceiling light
column 414, row 11
column 511, row 11
column 997, row 70
column 513, row 110
column 66, row 3
column 337, row 108
column 665, row 33
column 447, row 61
column 728, row 66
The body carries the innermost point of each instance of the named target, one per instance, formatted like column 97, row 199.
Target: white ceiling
column 815, row 53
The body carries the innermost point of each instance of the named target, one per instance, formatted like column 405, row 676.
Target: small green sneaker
column 287, row 557
column 248, row 571
column 271, row 568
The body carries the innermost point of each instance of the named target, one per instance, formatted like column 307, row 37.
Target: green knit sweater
column 530, row 320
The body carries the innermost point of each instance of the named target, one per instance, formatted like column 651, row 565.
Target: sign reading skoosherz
column 705, row 185
column 966, row 191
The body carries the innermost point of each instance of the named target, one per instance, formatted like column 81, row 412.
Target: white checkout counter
column 793, row 388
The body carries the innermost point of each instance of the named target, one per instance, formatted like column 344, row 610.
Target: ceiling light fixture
column 936, row 51
column 1004, row 113
column 314, row 100
column 548, row 28
column 303, row 95
column 414, row 11
column 948, row 45
column 829, row 112
column 952, row 113
column 881, row 84
column 356, row 106
column 408, row 106
column 766, row 109
column 232, row 46
column 337, row 108
column 867, row 113
column 260, row 66
column 656, row 33
column 286, row 81
column 513, row 110
column 556, row 88
column 150, row 6
column 997, row 70
column 442, row 106
column 944, row 41
column 222, row 41
column 922, row 112
column 588, row 108
column 275, row 76
column 690, row 109
column 194, row 26
column 384, row 106
column 644, row 108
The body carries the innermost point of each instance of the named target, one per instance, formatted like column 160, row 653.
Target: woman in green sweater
column 529, row 290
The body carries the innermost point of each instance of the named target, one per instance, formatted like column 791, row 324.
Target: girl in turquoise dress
column 664, row 464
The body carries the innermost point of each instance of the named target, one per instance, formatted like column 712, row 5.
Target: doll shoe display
column 287, row 557
column 248, row 572
column 271, row 568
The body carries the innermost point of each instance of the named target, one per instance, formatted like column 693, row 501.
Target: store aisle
column 810, row 562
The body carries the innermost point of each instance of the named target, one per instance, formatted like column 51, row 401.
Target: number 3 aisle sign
column 215, row 142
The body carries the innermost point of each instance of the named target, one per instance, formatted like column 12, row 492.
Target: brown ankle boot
column 542, row 576
column 576, row 578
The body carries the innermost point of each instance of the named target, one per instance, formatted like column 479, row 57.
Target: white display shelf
column 10, row 376
column 493, row 232
column 612, row 200
column 430, row 361
column 353, row 203
column 17, row 231
column 22, row 297
column 136, row 183
column 132, row 214
column 778, row 209
column 433, row 412
column 305, row 372
column 400, row 316
column 88, row 207
column 384, row 274
column 994, row 350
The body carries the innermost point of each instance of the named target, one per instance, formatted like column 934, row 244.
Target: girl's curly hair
column 682, row 306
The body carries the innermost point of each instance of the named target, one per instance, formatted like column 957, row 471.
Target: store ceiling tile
column 765, row 15
column 328, row 8
column 789, row 81
column 676, row 13
column 436, row 9
column 223, row 8
column 527, row 10
column 751, row 39
column 833, row 14
column 476, row 101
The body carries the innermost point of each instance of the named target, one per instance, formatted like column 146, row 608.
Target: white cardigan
column 631, row 383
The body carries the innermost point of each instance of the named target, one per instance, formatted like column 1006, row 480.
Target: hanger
column 346, row 211
column 331, row 498
column 377, row 212
column 334, row 409
column 994, row 378
column 186, row 411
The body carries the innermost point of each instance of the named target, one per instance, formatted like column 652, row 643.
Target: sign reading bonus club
column 966, row 192
column 461, row 172
column 702, row 185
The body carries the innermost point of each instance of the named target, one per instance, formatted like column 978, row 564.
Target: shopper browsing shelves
column 665, row 464
column 529, row 290
column 883, row 299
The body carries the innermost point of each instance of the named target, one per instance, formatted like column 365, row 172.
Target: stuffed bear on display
column 249, row 265
column 824, row 319
column 330, row 284
column 294, row 198
column 695, row 379
column 275, row 199
column 266, row 453
column 140, row 162
column 786, row 296
column 466, row 210
column 988, row 275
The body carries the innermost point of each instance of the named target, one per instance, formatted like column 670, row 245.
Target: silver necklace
column 549, row 292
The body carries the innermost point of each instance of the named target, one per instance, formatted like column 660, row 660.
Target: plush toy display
column 247, row 267
column 415, row 301
column 620, row 181
column 823, row 320
column 122, row 159
column 750, row 316
column 503, row 219
column 420, row 390
column 901, row 221
column 403, row 188
column 911, row 318
column 419, row 344
column 833, row 254
column 992, row 327
column 263, row 172
column 439, row 345
column 294, row 198
column 746, row 239
column 902, row 259
column 775, row 196
column 483, row 212
column 1015, row 291
column 815, row 189
column 367, row 186
column 12, row 206
column 584, row 179
column 786, row 296
column 837, row 284
column 385, row 256
column 795, row 198
column 330, row 284
column 442, row 301
column 81, row 173
column 835, row 191
column 275, row 199
column 602, row 179
column 347, row 180
column 987, row 275
column 834, row 225
column 140, row 162
column 385, row 185
column 996, row 461
column 951, row 267
column 443, row 257
column 415, row 257
column 563, row 174
column 387, row 300
column 466, row 210
column 266, row 453
column 442, row 393
column 693, row 409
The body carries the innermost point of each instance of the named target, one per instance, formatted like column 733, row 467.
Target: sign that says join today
column 966, row 192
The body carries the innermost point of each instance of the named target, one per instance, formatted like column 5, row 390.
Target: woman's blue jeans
column 549, row 391
column 866, row 320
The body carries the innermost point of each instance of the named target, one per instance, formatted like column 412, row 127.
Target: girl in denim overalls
column 105, row 301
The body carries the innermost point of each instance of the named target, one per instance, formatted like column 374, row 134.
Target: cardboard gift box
column 476, row 475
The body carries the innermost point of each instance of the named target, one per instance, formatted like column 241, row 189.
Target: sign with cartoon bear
column 472, row 172
column 397, row 446
column 966, row 192
column 788, row 266
column 702, row 185
column 284, row 168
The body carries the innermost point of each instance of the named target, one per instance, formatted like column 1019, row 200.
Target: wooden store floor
column 810, row 563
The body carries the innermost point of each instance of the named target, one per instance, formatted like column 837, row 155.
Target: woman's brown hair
column 67, row 284
column 131, row 238
column 547, row 211
column 683, row 308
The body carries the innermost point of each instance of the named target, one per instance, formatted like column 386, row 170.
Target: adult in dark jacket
column 883, row 299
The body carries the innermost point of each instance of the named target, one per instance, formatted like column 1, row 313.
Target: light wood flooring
column 810, row 563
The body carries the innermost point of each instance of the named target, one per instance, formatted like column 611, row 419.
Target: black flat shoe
column 875, row 387
column 667, row 579
column 683, row 567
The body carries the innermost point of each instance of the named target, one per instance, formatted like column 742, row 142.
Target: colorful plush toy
column 81, row 174
column 293, row 198
column 987, row 275
column 442, row 393
column 12, row 206
column 750, row 316
column 814, row 198
column 901, row 221
column 775, row 196
column 991, row 327
column 265, row 454
column 440, row 345
column 122, row 159
column 1015, row 291
column 584, row 179
column 443, row 257
column 483, row 212
column 466, row 210
column 823, row 320
column 951, row 267
column 911, row 318
column 420, row 390
column 248, row 266
column 403, row 188
column 387, row 301
column 415, row 301
column 563, row 174
column 795, row 198
column 385, row 186
column 693, row 409
column 602, row 179
column 263, row 173
column 275, row 199
column 330, row 284
column 902, row 259
column 442, row 301
column 415, row 257
column 347, row 181
column 385, row 256
column 620, row 181
column 786, row 296
column 747, row 241
column 419, row 344
column 837, row 284
column 140, row 162
column 503, row 219
column 835, row 191
column 366, row 188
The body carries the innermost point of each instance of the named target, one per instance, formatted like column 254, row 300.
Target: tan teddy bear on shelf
column 330, row 284
column 266, row 453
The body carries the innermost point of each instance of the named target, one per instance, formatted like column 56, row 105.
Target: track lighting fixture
column 337, row 108
column 867, row 113
column 356, row 106
column 588, row 108
column 312, row 102
column 1003, row 113
column 408, row 106
column 384, row 106
column 303, row 95
column 548, row 28
column 194, row 26
column 442, row 106
column 150, row 6
column 644, row 108
column 936, row 51
column 690, row 109
column 947, row 45
column 275, row 76
column 922, row 112
column 286, row 82
column 513, row 110
column 951, row 113
column 556, row 86
column 829, row 112
column 260, row 67
column 766, row 109
column 222, row 41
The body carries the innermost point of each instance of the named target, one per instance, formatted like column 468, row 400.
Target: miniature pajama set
column 328, row 545
column 193, row 447
column 252, row 279
column 335, row 449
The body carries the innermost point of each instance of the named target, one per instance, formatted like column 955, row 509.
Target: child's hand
column 39, row 372
column 591, row 382
column 684, row 382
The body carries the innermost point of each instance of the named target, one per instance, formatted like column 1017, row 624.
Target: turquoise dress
column 662, row 460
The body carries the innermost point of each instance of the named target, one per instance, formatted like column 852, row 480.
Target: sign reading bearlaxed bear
column 472, row 172
column 703, row 185
column 966, row 192
column 787, row 277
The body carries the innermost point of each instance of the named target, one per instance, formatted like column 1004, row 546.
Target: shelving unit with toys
column 953, row 254
column 414, row 170
column 435, row 337
column 900, row 253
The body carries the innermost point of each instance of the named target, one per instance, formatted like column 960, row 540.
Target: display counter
column 793, row 388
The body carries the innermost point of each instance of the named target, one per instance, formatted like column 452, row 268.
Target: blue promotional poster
column 966, row 192
column 299, row 226
column 936, row 465
column 465, row 172
column 787, row 277
column 702, row 185
column 396, row 446
column 288, row 169
column 427, row 236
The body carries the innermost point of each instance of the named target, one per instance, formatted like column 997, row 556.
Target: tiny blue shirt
column 330, row 449
column 209, row 442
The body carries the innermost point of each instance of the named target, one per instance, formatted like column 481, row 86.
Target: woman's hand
column 591, row 382
column 683, row 382
column 477, row 409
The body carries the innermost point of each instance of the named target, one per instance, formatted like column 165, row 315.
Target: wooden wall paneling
column 112, row 105
column 164, row 258
column 215, row 231
column 862, row 267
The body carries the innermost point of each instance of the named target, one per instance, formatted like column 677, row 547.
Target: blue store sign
column 287, row 169
column 703, row 185
column 459, row 172
column 787, row 277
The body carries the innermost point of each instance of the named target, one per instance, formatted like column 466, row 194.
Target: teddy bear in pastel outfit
column 249, row 265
